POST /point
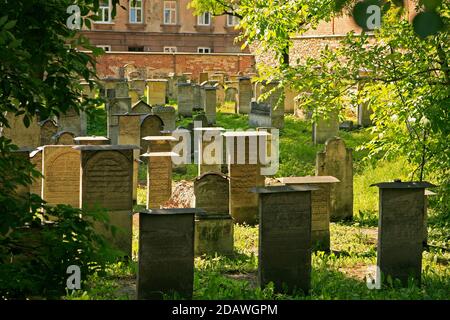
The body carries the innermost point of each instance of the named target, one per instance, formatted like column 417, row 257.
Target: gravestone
column 285, row 237
column 208, row 149
column 21, row 158
column 231, row 94
column 197, row 102
column 400, row 230
column 203, row 77
column 141, row 107
column 289, row 100
column 156, row 91
column 159, row 178
column 61, row 170
column 364, row 114
column 260, row 115
column 325, row 128
column 138, row 85
column 130, row 134
column 168, row 116
column 36, row 160
column 213, row 230
column 107, row 183
column 151, row 125
column 64, row 138
column 166, row 253
column 92, row 141
column 185, row 99
column 320, row 207
column 244, row 170
column 209, row 103
column 274, row 100
column 48, row 130
column 163, row 143
column 245, row 95
column 73, row 121
column 337, row 161
column 22, row 136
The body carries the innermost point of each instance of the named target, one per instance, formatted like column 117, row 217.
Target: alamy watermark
column 74, row 280
column 73, row 22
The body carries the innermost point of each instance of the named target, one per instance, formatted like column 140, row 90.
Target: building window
column 104, row 11
column 106, row 48
column 232, row 20
column 203, row 50
column 136, row 12
column 204, row 19
column 170, row 49
column 170, row 12
column 136, row 49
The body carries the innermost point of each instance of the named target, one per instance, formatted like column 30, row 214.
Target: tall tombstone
column 166, row 253
column 172, row 81
column 61, row 170
column 130, row 134
column 197, row 102
column 156, row 91
column 320, row 207
column 209, row 149
column 36, row 160
column 141, row 107
column 231, row 94
column 151, row 125
column 213, row 230
column 159, row 178
column 209, row 103
column 400, row 230
column 325, row 128
column 92, row 141
column 285, row 237
column 245, row 95
column 118, row 102
column 63, row 138
column 168, row 116
column 48, row 130
column 260, row 115
column 185, row 99
column 22, row 136
column 21, row 158
column 289, row 100
column 337, row 161
column 364, row 109
column 244, row 170
column 139, row 86
column 203, row 77
column 275, row 101
column 73, row 121
column 107, row 183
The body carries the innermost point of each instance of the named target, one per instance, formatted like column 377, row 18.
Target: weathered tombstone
column 245, row 95
column 197, row 102
column 141, row 107
column 92, row 141
column 106, row 182
column 337, row 161
column 166, row 253
column 168, row 116
column 22, row 136
column 213, row 230
column 61, row 170
column 209, row 103
column 36, row 160
column 244, row 170
column 156, row 91
column 203, row 77
column 285, row 237
column 73, row 121
column 48, row 130
column 185, row 99
column 274, row 100
column 326, row 128
column 161, row 143
column 260, row 115
column 364, row 109
column 151, row 125
column 320, row 207
column 64, row 138
column 400, row 230
column 209, row 149
column 159, row 178
column 139, row 86
column 289, row 100
column 231, row 94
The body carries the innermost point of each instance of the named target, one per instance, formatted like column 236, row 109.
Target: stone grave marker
column 209, row 103
column 260, row 115
column 185, row 99
column 73, row 121
column 48, row 130
column 107, row 183
column 151, row 125
column 20, row 135
column 213, row 230
column 209, row 149
column 325, row 128
column 61, row 170
column 285, row 237
column 166, row 253
column 156, row 91
column 337, row 161
column 168, row 116
column 245, row 95
column 400, row 230
column 159, row 178
column 320, row 207
column 275, row 101
column 64, row 138
column 141, row 107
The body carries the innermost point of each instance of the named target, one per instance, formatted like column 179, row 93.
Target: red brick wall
column 158, row 64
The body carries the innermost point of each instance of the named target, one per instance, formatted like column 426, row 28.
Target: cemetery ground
column 340, row 274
